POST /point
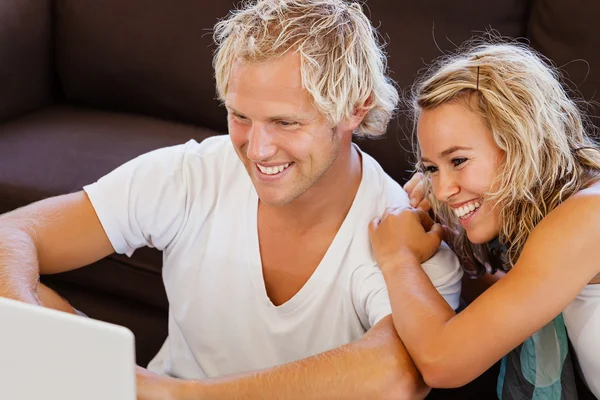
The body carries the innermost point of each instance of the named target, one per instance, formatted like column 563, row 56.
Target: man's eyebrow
column 233, row 110
column 290, row 117
column 275, row 118
column 447, row 152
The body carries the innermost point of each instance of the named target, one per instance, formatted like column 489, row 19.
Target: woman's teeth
column 272, row 170
column 466, row 210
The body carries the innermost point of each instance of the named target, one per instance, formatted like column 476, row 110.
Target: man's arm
column 53, row 235
column 375, row 367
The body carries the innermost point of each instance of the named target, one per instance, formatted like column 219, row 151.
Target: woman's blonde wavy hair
column 343, row 66
column 548, row 155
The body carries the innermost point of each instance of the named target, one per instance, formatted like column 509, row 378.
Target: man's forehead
column 271, row 87
column 265, row 107
column 281, row 72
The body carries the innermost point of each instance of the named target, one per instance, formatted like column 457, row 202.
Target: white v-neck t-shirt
column 197, row 203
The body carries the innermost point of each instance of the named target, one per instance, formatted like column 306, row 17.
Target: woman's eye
column 429, row 169
column 457, row 161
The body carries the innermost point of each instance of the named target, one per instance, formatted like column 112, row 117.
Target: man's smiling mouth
column 273, row 170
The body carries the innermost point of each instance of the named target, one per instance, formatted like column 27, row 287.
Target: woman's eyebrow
column 447, row 152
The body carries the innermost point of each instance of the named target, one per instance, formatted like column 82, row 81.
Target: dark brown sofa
column 86, row 85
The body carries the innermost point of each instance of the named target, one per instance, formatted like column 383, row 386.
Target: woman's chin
column 478, row 236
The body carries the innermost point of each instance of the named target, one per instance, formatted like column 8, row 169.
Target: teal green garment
column 540, row 368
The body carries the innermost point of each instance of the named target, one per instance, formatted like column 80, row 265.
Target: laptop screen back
column 47, row 354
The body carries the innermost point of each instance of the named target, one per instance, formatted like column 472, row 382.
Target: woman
column 516, row 181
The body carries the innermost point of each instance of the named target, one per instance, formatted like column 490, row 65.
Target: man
column 267, row 262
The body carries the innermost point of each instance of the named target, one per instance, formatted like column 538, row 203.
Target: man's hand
column 57, row 234
column 151, row 386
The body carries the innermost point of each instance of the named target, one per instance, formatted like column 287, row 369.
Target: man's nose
column 260, row 143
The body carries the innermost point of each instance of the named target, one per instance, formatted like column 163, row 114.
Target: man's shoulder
column 377, row 191
column 197, row 168
column 190, row 150
column 211, row 146
column 383, row 189
column 214, row 155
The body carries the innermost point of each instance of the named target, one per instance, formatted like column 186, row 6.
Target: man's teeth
column 467, row 209
column 272, row 170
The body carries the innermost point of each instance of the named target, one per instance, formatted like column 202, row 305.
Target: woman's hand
column 404, row 233
column 415, row 188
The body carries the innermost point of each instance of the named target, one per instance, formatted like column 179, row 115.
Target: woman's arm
column 559, row 259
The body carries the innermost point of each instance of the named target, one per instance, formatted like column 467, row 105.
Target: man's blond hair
column 343, row 66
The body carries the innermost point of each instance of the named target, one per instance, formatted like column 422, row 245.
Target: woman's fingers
column 402, row 229
column 412, row 182
column 425, row 219
column 418, row 194
column 449, row 234
column 415, row 188
column 437, row 232
column 373, row 225
column 424, row 205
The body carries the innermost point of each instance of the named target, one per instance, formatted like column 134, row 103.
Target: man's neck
column 325, row 204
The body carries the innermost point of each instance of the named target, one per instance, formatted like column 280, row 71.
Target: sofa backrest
column 417, row 31
column 155, row 57
column 568, row 32
column 148, row 56
column 25, row 56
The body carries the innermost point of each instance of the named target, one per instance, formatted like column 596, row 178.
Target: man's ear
column 360, row 112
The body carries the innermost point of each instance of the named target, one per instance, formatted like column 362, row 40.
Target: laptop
column 48, row 354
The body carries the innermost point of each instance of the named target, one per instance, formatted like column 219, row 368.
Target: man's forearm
column 375, row 367
column 19, row 274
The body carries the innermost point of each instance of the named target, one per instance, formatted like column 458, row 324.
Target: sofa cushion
column 569, row 34
column 147, row 56
column 60, row 149
column 25, row 56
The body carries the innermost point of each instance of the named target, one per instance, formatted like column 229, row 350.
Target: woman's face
column 462, row 160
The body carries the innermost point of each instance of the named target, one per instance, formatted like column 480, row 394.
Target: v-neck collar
column 329, row 264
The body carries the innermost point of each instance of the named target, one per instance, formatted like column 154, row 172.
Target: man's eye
column 457, row 161
column 238, row 117
column 287, row 124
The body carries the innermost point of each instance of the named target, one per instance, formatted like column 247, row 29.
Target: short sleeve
column 143, row 202
column 445, row 273
column 370, row 295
